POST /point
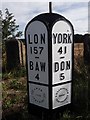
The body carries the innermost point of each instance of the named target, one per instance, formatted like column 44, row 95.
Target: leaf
column 9, row 26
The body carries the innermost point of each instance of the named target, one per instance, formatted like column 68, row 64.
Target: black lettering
column 62, row 77
column 29, row 39
column 65, row 49
column 69, row 38
column 37, row 67
column 59, row 38
column 67, row 65
column 35, row 50
column 56, row 66
column 64, row 38
column 60, row 50
column 31, row 65
column 41, row 49
column 31, row 50
column 37, row 77
column 43, row 66
column 54, row 36
column 43, row 38
column 62, row 65
column 36, row 39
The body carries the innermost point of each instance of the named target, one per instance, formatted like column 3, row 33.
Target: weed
column 16, row 73
column 16, row 83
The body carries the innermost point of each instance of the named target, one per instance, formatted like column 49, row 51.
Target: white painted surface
column 37, row 28
column 61, row 95
column 61, row 27
column 38, row 95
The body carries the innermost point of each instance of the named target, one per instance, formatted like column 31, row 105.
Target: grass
column 15, row 96
column 14, row 91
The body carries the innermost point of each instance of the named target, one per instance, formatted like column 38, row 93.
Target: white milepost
column 61, row 52
column 37, row 47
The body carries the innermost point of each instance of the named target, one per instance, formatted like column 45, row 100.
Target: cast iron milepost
column 49, row 46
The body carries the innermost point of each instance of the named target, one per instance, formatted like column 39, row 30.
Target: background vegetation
column 15, row 95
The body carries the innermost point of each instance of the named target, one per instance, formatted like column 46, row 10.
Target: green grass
column 16, row 73
column 15, row 95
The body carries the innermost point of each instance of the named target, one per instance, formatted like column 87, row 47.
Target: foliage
column 9, row 26
column 14, row 88
column 81, row 89
column 16, row 73
column 0, row 27
column 10, row 30
column 15, row 94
